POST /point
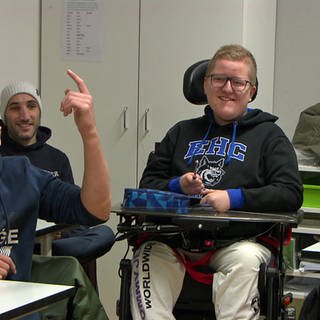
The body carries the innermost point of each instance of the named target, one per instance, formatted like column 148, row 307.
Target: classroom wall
column 19, row 36
column 297, row 62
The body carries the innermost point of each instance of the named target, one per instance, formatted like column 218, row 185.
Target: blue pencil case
column 155, row 200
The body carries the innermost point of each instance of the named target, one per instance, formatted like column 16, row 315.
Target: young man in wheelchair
column 235, row 158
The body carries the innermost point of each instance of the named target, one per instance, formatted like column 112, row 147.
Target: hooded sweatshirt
column 252, row 159
column 26, row 193
column 31, row 193
column 40, row 153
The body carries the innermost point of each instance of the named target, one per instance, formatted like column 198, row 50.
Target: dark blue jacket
column 27, row 193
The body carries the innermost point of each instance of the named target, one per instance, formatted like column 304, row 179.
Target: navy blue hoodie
column 251, row 158
column 26, row 193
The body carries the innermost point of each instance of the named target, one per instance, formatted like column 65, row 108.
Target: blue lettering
column 237, row 150
column 196, row 148
column 218, row 146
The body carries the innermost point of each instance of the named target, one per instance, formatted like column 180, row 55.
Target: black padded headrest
column 193, row 83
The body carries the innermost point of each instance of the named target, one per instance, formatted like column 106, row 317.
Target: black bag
column 311, row 306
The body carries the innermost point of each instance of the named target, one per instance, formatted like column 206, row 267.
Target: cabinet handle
column 125, row 120
column 146, row 125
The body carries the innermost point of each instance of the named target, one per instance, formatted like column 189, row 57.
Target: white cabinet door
column 113, row 82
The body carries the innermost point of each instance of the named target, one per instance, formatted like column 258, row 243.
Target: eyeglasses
column 237, row 84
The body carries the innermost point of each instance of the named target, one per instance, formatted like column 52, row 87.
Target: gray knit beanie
column 14, row 88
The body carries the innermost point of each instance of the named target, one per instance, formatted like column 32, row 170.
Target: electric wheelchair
column 199, row 306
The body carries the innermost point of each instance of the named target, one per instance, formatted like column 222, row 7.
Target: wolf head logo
column 211, row 172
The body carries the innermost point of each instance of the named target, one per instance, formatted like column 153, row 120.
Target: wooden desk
column 21, row 298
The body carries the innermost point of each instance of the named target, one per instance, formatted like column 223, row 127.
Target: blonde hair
column 235, row 52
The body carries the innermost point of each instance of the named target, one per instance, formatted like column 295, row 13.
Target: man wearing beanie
column 22, row 135
column 18, row 87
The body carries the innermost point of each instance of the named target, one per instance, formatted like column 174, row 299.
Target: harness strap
column 288, row 237
column 273, row 243
column 206, row 278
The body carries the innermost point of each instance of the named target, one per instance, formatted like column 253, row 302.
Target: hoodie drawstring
column 234, row 132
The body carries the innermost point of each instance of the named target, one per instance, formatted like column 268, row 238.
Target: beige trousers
column 157, row 278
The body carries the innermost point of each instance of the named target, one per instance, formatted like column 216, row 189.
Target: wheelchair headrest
column 193, row 83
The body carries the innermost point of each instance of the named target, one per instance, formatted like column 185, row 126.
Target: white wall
column 19, row 34
column 297, row 65
column 259, row 29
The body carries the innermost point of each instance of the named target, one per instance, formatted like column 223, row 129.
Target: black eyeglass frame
column 229, row 79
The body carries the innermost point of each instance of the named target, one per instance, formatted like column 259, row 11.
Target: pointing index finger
column 79, row 82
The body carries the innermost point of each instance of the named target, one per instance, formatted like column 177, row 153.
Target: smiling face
column 228, row 104
column 22, row 117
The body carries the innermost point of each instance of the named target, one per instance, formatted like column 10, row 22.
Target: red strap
column 275, row 241
column 206, row 278
column 272, row 241
column 288, row 237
